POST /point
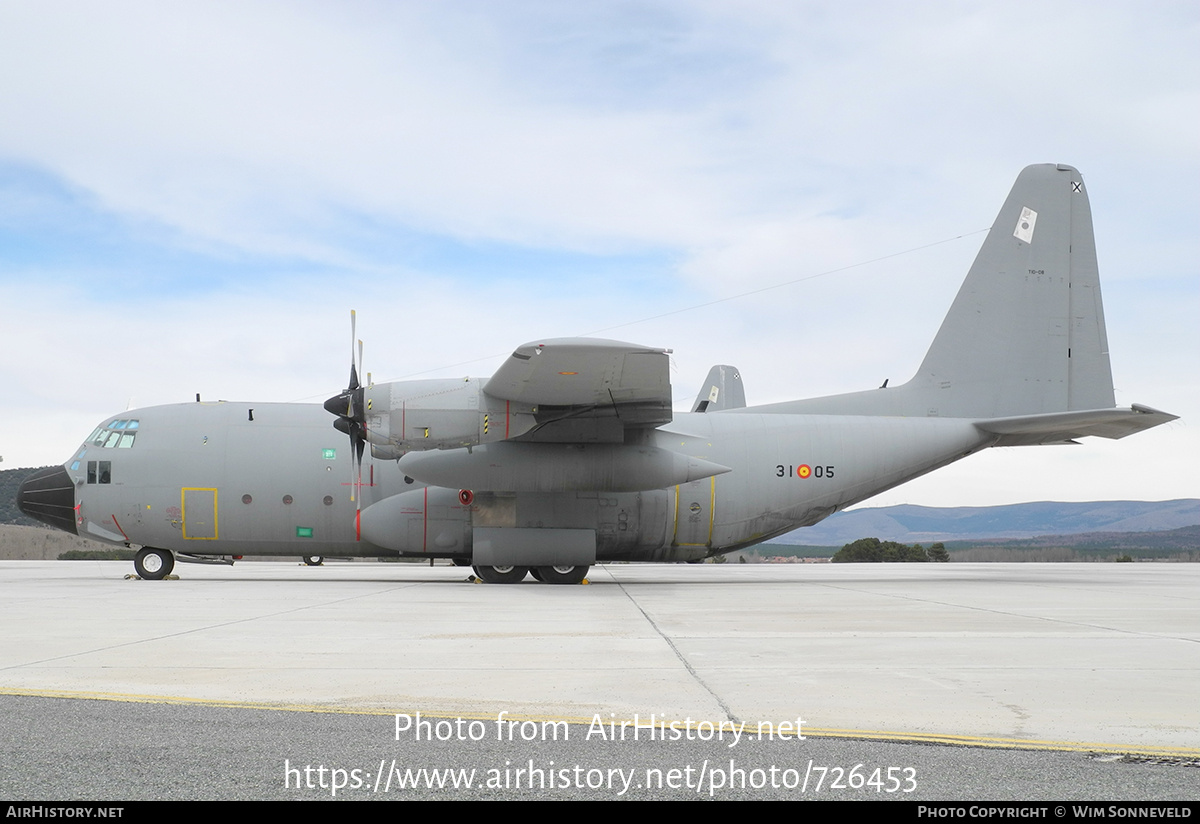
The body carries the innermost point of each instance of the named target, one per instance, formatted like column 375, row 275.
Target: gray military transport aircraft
column 570, row 454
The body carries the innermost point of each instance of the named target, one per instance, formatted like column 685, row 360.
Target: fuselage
column 230, row 479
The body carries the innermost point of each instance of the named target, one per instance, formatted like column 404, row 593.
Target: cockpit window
column 118, row 434
column 99, row 472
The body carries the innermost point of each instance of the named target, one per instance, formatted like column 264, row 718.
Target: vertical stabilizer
column 722, row 390
column 1023, row 352
column 1025, row 335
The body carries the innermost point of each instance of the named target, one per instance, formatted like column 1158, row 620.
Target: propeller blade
column 349, row 407
column 353, row 336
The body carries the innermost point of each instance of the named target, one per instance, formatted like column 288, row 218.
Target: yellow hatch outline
column 183, row 510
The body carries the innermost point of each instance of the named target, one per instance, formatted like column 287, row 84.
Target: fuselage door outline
column 199, row 505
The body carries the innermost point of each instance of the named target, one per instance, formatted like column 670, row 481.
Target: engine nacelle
column 552, row 467
column 405, row 416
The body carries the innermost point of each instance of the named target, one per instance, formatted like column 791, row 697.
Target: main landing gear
column 562, row 574
column 153, row 564
column 501, row 574
column 516, row 574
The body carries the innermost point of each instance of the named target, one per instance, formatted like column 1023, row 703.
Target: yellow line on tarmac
column 661, row 725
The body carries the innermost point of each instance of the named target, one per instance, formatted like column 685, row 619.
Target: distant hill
column 10, row 483
column 925, row 524
column 1167, row 540
column 41, row 543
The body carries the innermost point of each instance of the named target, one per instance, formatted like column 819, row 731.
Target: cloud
column 191, row 197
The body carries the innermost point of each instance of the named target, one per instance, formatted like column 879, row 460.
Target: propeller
column 350, row 408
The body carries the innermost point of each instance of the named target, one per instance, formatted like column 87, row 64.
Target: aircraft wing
column 584, row 395
column 586, row 389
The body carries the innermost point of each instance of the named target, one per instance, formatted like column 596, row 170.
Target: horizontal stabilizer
column 1061, row 427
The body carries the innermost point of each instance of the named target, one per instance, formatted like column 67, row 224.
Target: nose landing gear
column 153, row 564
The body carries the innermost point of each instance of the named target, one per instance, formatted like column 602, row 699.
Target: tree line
column 875, row 551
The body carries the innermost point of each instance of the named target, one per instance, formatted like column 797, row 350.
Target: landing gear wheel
column 563, row 574
column 153, row 564
column 536, row 573
column 501, row 574
column 314, row 560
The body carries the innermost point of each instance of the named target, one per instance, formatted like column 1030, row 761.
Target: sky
column 193, row 196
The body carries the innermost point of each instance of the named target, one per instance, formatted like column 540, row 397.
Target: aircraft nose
column 49, row 496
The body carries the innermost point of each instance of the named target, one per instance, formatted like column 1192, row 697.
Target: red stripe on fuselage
column 115, row 521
